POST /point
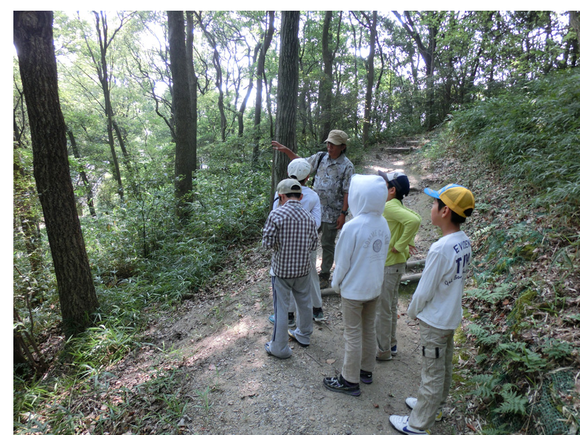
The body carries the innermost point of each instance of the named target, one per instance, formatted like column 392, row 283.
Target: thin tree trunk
column 23, row 208
column 370, row 79
column 325, row 91
column 88, row 186
column 103, row 73
column 218, row 73
column 35, row 47
column 260, row 80
column 192, row 78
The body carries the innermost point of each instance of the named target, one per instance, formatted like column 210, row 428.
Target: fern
column 485, row 385
column 512, row 403
column 518, row 353
column 483, row 336
column 490, row 296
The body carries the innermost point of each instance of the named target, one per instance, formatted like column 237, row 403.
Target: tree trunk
column 287, row 99
column 260, row 80
column 87, row 184
column 325, row 91
column 218, row 74
column 34, row 43
column 192, row 78
column 370, row 79
column 184, row 131
column 24, row 208
column 103, row 73
column 427, row 53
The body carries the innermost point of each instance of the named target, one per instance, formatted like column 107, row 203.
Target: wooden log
column 415, row 263
column 413, row 277
column 407, row 278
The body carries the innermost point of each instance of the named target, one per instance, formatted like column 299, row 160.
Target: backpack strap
column 317, row 166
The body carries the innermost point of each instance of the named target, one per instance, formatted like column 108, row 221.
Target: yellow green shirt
column 403, row 224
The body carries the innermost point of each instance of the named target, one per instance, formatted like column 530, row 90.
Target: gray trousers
column 386, row 321
column 436, row 370
column 359, row 338
column 314, row 286
column 282, row 288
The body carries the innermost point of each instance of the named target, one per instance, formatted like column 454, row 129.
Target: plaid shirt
column 291, row 232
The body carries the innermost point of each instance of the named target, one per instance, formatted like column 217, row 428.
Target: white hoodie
column 361, row 250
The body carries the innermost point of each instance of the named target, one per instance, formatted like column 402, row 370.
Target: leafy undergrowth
column 517, row 360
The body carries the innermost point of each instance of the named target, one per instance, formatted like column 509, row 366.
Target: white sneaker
column 412, row 402
column 401, row 423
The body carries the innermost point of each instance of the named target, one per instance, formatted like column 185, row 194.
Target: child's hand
column 413, row 250
column 394, row 251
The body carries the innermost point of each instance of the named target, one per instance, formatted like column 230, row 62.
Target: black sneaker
column 366, row 377
column 341, row 385
column 317, row 314
column 291, row 320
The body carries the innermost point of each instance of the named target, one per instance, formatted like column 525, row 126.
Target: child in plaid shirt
column 290, row 231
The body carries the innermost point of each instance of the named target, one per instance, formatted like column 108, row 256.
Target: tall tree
column 372, row 24
column 192, row 79
column 260, row 80
column 427, row 49
column 287, row 100
column 34, row 43
column 184, row 128
column 100, row 60
column 216, row 60
column 326, row 80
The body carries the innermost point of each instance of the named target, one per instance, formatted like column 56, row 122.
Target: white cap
column 299, row 169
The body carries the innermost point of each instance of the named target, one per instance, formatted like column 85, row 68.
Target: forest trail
column 234, row 387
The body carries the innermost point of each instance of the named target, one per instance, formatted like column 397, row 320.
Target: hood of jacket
column 367, row 194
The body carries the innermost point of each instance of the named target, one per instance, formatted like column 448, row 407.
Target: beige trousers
column 359, row 338
column 437, row 365
column 386, row 321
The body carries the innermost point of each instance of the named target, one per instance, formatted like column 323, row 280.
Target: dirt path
column 234, row 387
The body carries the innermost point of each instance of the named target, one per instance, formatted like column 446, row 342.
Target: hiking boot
column 317, row 314
column 324, row 280
column 412, row 402
column 293, row 337
column 394, row 350
column 291, row 320
column 401, row 423
column 341, row 385
column 366, row 377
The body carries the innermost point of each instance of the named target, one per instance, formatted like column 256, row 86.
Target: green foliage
column 532, row 132
column 512, row 403
column 492, row 296
column 99, row 347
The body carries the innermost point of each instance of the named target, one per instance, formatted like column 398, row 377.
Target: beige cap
column 337, row 137
column 288, row 185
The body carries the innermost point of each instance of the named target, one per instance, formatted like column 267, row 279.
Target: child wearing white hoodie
column 361, row 252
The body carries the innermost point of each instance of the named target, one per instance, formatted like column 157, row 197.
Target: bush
column 533, row 133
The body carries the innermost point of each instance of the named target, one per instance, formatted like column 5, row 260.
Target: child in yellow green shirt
column 403, row 224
